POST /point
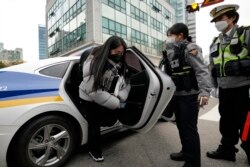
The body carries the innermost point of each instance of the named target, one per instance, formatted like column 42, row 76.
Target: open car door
column 151, row 91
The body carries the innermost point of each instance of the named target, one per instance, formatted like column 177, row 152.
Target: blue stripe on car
column 14, row 85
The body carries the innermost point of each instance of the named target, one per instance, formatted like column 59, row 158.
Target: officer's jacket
column 193, row 57
column 222, row 59
column 99, row 96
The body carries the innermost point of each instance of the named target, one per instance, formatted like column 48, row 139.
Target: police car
column 40, row 122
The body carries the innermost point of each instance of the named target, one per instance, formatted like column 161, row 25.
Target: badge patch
column 234, row 41
column 213, row 48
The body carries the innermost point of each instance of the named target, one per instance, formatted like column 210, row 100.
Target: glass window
column 111, row 25
column 113, row 28
column 119, row 5
column 105, row 22
column 57, row 70
column 155, row 24
column 138, row 14
column 139, row 37
column 83, row 2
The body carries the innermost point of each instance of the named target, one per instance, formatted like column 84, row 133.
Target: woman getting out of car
column 102, row 70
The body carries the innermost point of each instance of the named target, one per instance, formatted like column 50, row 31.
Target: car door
column 151, row 91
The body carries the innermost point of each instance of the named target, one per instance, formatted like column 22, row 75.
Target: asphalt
column 152, row 149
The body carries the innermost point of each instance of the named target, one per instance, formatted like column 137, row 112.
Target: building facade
column 191, row 21
column 73, row 24
column 42, row 42
column 179, row 7
column 1, row 46
column 10, row 55
column 182, row 16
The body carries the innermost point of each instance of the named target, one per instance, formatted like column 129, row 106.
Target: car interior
column 139, row 81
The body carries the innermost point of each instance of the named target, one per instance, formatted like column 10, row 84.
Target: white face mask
column 170, row 40
column 221, row 25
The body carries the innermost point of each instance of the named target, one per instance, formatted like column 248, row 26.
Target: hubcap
column 48, row 145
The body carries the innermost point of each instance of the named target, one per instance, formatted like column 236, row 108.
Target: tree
column 2, row 65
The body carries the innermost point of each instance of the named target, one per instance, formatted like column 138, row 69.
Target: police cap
column 220, row 10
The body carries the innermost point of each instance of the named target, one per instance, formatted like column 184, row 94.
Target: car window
column 133, row 62
column 56, row 70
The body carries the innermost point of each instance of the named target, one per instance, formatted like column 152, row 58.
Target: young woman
column 101, row 71
column 186, row 67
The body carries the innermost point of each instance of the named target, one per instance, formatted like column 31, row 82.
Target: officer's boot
column 177, row 156
column 247, row 150
column 223, row 153
column 248, row 156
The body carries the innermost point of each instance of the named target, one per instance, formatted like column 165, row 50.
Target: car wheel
column 47, row 141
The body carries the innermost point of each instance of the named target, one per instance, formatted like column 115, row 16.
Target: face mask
column 221, row 25
column 170, row 40
column 115, row 57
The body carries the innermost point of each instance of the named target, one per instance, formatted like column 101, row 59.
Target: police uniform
column 187, row 69
column 230, row 70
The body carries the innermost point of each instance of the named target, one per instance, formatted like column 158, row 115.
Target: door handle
column 153, row 94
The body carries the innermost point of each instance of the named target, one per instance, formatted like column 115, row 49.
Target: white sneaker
column 168, row 119
column 96, row 157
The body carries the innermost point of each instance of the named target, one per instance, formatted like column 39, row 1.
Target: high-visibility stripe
column 246, row 128
column 26, row 101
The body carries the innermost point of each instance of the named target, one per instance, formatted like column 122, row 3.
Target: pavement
column 152, row 149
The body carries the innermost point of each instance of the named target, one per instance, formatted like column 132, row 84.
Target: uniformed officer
column 187, row 69
column 230, row 68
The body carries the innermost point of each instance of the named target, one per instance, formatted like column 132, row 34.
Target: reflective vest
column 234, row 59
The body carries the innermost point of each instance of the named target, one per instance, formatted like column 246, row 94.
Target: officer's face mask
column 170, row 39
column 221, row 25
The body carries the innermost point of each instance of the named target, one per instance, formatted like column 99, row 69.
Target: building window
column 156, row 43
column 155, row 24
column 138, row 14
column 156, row 6
column 113, row 28
column 76, row 9
column 139, row 37
column 69, row 39
column 167, row 14
column 119, row 5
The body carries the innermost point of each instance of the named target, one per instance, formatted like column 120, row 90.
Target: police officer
column 230, row 68
column 187, row 69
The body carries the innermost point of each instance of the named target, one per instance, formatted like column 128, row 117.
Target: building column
column 94, row 21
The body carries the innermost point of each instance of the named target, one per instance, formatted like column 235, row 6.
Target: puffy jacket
column 99, row 96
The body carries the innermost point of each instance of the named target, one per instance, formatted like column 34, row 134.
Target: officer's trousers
column 234, row 104
column 186, row 110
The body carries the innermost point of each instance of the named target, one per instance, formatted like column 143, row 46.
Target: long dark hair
column 178, row 28
column 101, row 55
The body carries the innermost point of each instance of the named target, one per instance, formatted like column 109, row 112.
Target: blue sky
column 19, row 21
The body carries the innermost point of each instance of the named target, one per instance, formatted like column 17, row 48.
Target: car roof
column 30, row 67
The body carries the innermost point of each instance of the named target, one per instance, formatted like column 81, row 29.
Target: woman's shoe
column 96, row 156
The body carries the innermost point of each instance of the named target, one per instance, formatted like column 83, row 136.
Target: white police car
column 40, row 124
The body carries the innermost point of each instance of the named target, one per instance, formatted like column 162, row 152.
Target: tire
column 47, row 141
